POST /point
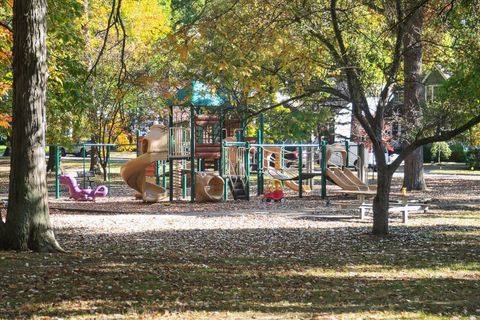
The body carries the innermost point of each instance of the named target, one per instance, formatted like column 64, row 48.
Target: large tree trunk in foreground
column 28, row 224
column 414, row 96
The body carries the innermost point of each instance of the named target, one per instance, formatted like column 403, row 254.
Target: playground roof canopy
column 199, row 94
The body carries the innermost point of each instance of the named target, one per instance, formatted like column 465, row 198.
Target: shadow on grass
column 431, row 269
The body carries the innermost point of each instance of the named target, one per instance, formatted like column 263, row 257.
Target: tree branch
column 442, row 136
column 5, row 25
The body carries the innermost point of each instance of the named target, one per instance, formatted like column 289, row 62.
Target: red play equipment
column 274, row 192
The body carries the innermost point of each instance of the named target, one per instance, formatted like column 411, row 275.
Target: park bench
column 81, row 175
column 404, row 209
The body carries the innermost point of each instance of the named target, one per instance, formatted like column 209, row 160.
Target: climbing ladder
column 178, row 179
column 235, row 171
column 237, row 186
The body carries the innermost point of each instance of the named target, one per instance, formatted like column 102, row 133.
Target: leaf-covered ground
column 250, row 260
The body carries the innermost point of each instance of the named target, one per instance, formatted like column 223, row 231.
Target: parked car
column 372, row 163
column 78, row 149
column 63, row 152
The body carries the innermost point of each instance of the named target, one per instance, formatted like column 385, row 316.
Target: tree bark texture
column 414, row 95
column 27, row 223
column 413, row 178
column 381, row 201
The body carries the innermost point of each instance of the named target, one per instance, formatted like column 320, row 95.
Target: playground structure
column 273, row 166
column 202, row 143
column 203, row 153
column 230, row 163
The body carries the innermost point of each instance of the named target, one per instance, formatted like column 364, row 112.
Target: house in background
column 432, row 81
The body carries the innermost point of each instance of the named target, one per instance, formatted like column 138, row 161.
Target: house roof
column 437, row 69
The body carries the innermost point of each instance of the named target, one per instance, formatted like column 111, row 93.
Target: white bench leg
column 363, row 212
column 405, row 216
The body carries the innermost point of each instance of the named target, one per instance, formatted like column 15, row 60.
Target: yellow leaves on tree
column 475, row 136
column 146, row 21
column 123, row 140
column 5, row 120
column 6, row 41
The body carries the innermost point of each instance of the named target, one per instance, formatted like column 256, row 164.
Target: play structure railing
column 235, row 163
column 179, row 142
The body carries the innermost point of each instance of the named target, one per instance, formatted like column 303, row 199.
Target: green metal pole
column 164, row 178
column 184, row 179
column 247, row 170
column 347, row 147
column 225, row 186
column 238, row 135
column 243, row 125
column 192, row 155
column 260, row 138
column 324, row 169
column 138, row 145
column 57, row 171
column 199, row 165
column 108, row 173
column 259, row 166
column 170, row 179
column 157, row 172
column 84, row 153
column 220, row 162
column 300, row 178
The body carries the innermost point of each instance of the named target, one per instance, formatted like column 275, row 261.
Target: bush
column 473, row 158
column 427, row 154
column 458, row 153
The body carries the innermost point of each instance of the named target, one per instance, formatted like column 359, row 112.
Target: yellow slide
column 154, row 147
column 347, row 180
column 294, row 186
column 277, row 173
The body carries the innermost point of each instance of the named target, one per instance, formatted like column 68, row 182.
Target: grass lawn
column 448, row 171
column 428, row 271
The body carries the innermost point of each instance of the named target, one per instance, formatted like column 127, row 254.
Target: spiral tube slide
column 208, row 187
column 154, row 147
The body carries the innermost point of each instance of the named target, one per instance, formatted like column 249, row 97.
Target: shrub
column 473, row 158
column 427, row 154
column 458, row 153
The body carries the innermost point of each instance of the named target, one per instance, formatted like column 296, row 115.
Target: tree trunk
column 94, row 160
column 381, row 200
column 51, row 159
column 414, row 95
column 94, row 156
column 28, row 224
column 413, row 178
column 105, row 168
